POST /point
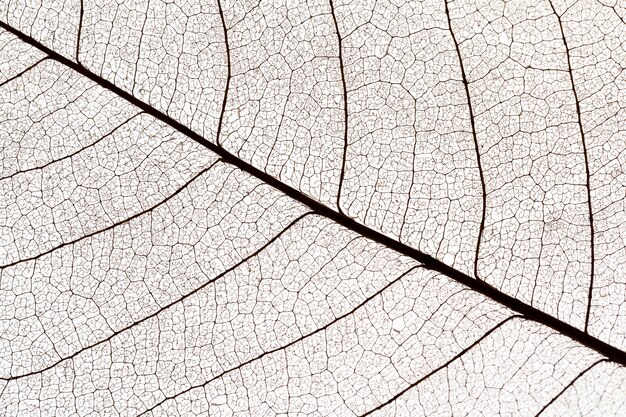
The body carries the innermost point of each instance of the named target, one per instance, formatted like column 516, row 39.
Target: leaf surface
column 321, row 208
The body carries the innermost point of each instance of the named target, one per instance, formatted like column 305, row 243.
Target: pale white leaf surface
column 321, row 208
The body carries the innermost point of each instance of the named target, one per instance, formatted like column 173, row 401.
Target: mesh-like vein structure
column 151, row 264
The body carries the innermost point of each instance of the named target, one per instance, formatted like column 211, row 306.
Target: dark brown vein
column 439, row 368
column 91, row 145
column 588, row 175
column 528, row 311
column 473, row 124
column 228, row 76
column 565, row 388
column 23, row 72
column 114, row 225
column 80, row 29
column 301, row 338
column 345, row 107
column 160, row 310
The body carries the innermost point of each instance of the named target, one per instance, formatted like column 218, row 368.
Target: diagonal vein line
column 84, row 148
column 442, row 366
column 293, row 342
column 158, row 311
column 531, row 313
column 568, row 386
column 24, row 71
column 113, row 225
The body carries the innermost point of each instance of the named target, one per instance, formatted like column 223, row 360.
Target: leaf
column 320, row 208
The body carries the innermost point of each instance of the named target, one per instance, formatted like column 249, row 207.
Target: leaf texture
column 321, row 208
